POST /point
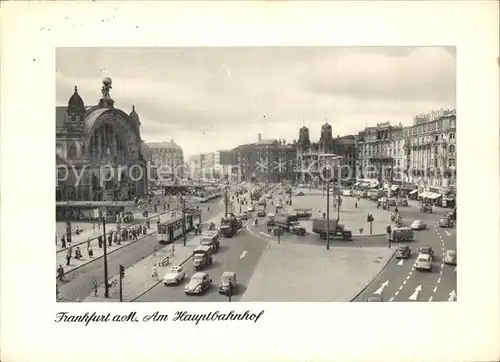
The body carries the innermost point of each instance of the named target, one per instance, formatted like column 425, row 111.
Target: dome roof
column 134, row 116
column 75, row 103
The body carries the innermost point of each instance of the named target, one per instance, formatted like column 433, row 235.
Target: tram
column 171, row 229
column 210, row 193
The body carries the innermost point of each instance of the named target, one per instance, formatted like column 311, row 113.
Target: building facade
column 431, row 152
column 265, row 161
column 381, row 153
column 102, row 144
column 167, row 158
column 311, row 155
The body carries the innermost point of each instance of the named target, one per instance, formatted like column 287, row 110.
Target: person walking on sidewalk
column 154, row 273
column 60, row 273
column 90, row 251
column 88, row 243
column 63, row 242
column 99, row 241
column 110, row 238
column 68, row 257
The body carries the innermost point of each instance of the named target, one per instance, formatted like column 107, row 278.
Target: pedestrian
column 63, row 242
column 173, row 250
column 93, row 224
column 356, row 205
column 144, row 230
column 60, row 273
column 68, row 257
column 110, row 238
column 78, row 253
column 99, row 241
column 96, row 288
column 115, row 237
column 88, row 243
column 90, row 251
column 155, row 209
column 154, row 273
column 324, row 215
column 361, row 231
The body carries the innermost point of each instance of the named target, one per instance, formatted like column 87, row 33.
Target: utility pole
column 225, row 201
column 327, row 215
column 122, row 275
column 106, row 286
column 183, row 201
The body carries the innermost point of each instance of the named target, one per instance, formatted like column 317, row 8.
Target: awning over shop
column 424, row 194
column 373, row 185
column 364, row 184
column 413, row 192
column 433, row 196
column 357, row 183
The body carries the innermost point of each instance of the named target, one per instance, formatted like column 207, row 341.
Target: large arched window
column 72, row 153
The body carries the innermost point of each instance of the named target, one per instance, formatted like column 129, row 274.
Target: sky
column 208, row 99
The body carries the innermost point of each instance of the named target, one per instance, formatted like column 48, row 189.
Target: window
column 452, row 136
column 452, row 149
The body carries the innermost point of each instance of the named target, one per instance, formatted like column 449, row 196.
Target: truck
column 229, row 226
column 289, row 222
column 334, row 229
column 202, row 256
column 211, row 239
column 401, row 234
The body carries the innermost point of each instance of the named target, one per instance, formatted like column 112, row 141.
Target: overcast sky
column 217, row 98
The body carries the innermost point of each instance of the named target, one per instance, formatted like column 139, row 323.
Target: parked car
column 245, row 216
column 450, row 257
column 445, row 223
column 174, row 275
column 250, row 208
column 227, row 277
column 403, row 252
column 426, row 250
column 402, row 202
column 423, row 262
column 198, row 283
column 374, row 298
column 418, row 225
column 300, row 193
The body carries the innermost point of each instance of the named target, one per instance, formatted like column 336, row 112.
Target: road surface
column 79, row 283
column 239, row 254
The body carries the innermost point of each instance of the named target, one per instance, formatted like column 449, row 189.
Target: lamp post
column 327, row 215
column 106, row 287
column 183, row 203
column 225, row 200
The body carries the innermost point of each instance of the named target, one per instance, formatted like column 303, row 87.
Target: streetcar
column 210, row 193
column 172, row 229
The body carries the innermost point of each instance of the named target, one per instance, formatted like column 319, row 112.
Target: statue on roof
column 106, row 86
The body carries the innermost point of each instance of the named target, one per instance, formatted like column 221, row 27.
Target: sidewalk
column 138, row 277
column 91, row 230
column 99, row 252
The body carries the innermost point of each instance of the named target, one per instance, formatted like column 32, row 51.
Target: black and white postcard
column 233, row 180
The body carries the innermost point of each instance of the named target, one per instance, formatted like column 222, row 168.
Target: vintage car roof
column 228, row 273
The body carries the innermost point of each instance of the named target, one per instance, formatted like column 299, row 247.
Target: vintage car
column 418, row 225
column 426, row 250
column 374, row 298
column 445, row 223
column 402, row 202
column 426, row 208
column 450, row 257
column 423, row 262
column 403, row 252
column 175, row 274
column 198, row 283
column 226, row 279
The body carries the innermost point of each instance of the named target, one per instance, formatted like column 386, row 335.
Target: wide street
column 401, row 282
column 239, row 254
column 79, row 283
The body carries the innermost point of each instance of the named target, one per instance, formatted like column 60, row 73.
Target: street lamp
column 106, row 287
